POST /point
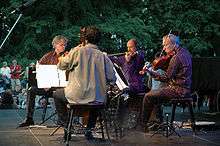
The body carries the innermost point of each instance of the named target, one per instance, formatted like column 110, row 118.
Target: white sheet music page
column 121, row 85
column 50, row 76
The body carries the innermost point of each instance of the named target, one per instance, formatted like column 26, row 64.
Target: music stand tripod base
column 166, row 127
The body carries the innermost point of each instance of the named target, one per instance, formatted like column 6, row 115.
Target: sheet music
column 121, row 85
column 50, row 76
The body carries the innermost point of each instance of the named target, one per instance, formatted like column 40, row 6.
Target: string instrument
column 162, row 61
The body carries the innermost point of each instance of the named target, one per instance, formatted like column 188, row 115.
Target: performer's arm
column 69, row 61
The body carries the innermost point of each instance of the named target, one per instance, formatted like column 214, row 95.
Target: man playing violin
column 51, row 58
column 177, row 76
column 131, row 63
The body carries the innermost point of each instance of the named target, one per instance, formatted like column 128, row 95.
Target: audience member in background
column 6, row 100
column 5, row 75
column 15, row 77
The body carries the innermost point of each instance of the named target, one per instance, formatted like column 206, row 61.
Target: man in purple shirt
column 178, row 76
column 131, row 63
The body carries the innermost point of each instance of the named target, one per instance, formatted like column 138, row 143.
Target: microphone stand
column 11, row 30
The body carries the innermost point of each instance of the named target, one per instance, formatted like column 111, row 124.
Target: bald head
column 131, row 44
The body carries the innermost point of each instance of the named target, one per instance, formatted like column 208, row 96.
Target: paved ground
column 39, row 136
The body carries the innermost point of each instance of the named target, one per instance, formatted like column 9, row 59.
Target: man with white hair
column 51, row 58
column 177, row 76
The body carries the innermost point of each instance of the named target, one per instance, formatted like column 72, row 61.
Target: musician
column 51, row 58
column 177, row 76
column 131, row 63
column 89, row 71
column 15, row 76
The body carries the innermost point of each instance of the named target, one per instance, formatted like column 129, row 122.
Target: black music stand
column 32, row 81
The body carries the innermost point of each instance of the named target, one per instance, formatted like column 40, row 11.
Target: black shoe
column 88, row 135
column 27, row 122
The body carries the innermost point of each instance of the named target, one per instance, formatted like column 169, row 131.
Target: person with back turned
column 89, row 72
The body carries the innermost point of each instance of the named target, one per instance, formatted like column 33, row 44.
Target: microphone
column 23, row 6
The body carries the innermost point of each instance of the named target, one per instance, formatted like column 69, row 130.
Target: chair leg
column 105, row 124
column 101, row 124
column 173, row 112
column 192, row 116
column 68, row 133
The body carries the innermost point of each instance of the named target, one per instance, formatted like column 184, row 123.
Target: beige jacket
column 90, row 70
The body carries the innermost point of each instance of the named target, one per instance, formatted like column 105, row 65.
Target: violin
column 162, row 61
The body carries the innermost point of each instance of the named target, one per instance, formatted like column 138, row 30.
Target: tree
column 196, row 21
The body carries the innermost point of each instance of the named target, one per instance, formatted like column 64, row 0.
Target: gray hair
column 58, row 39
column 172, row 39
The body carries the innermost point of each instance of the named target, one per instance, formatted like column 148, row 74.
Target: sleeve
column 19, row 69
column 70, row 60
column 140, row 63
column 171, row 71
column 109, row 71
column 44, row 59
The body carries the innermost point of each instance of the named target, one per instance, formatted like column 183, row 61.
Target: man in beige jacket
column 89, row 72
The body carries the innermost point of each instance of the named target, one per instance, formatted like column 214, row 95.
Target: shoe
column 88, row 135
column 27, row 122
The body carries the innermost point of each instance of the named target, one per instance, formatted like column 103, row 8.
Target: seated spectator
column 5, row 75
column 6, row 100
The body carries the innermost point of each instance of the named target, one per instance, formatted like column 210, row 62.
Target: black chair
column 186, row 101
column 168, row 127
column 74, row 109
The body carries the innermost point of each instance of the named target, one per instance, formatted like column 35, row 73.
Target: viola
column 163, row 61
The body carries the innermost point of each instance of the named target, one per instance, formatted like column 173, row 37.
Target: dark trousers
column 61, row 107
column 31, row 95
column 154, row 99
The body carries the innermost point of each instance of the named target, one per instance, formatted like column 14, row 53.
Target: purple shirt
column 179, row 72
column 131, row 71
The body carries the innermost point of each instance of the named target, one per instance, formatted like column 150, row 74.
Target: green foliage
column 196, row 21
